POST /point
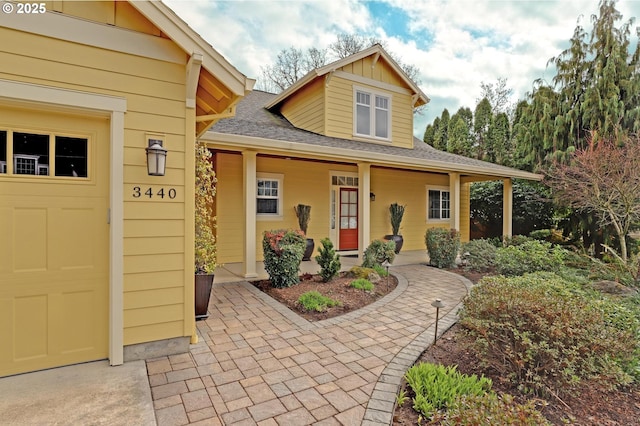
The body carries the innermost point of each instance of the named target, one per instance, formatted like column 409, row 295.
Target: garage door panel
column 54, row 257
column 29, row 239
column 31, row 329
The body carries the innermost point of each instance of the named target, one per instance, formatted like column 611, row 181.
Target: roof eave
column 191, row 42
column 239, row 142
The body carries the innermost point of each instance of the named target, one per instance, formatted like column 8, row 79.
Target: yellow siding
column 465, row 211
column 229, row 208
column 340, row 117
column 305, row 109
column 382, row 72
column 407, row 188
column 154, row 229
column 119, row 13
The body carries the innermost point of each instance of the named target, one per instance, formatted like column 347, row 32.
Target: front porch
column 233, row 272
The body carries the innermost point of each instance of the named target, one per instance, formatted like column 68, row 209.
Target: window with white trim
column 43, row 154
column 269, row 195
column 372, row 114
column 438, row 204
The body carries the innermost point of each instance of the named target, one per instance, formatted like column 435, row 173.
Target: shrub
column 283, row 250
column 479, row 255
column 377, row 252
column 328, row 260
column 365, row 273
column 546, row 334
column 501, row 409
column 442, row 246
column 362, row 284
column 314, row 301
column 515, row 240
column 437, row 386
column 530, row 256
column 380, row 270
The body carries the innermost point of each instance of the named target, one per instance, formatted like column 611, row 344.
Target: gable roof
column 255, row 127
column 376, row 50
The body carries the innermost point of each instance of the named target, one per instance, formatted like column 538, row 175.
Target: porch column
column 454, row 199
column 507, row 208
column 364, row 210
column 250, row 191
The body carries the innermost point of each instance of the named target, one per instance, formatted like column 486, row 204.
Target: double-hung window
column 269, row 195
column 438, row 204
column 372, row 114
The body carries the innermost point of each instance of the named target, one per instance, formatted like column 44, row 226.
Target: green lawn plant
column 378, row 252
column 328, row 260
column 501, row 409
column 436, row 386
column 443, row 246
column 362, row 284
column 314, row 301
column 478, row 255
column 546, row 333
column 283, row 250
column 529, row 256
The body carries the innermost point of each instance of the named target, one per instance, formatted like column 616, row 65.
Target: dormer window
column 372, row 114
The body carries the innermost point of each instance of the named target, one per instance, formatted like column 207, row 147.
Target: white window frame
column 373, row 94
column 440, row 189
column 277, row 178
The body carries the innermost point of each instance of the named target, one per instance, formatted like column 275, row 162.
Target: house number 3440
column 151, row 192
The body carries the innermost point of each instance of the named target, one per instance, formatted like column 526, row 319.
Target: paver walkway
column 259, row 363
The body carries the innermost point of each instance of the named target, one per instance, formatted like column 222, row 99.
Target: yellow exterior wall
column 120, row 14
column 308, row 182
column 381, row 72
column 340, row 115
column 306, row 108
column 465, row 211
column 155, row 237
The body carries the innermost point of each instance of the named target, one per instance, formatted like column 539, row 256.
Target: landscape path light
column 386, row 265
column 437, row 304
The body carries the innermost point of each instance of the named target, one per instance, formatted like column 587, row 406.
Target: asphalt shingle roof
column 254, row 120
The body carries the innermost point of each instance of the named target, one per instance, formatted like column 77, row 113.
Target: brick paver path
column 259, row 363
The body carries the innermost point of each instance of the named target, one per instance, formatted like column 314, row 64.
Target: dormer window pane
column 372, row 115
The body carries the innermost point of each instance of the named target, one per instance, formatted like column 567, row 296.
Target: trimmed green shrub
column 501, row 409
column 546, row 334
column 479, row 255
column 328, row 260
column 362, row 284
column 437, row 386
column 377, row 252
column 314, row 301
column 443, row 246
column 283, row 250
column 515, row 240
column 365, row 273
column 380, row 270
column 530, row 256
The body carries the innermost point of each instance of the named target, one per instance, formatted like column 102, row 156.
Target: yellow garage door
column 54, row 190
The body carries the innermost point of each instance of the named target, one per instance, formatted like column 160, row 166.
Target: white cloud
column 456, row 44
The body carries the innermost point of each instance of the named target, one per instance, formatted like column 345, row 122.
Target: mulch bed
column 337, row 289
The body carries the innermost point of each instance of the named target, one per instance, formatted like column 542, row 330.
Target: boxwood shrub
column 283, row 250
column 443, row 246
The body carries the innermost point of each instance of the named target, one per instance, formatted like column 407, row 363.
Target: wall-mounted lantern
column 372, row 196
column 156, row 158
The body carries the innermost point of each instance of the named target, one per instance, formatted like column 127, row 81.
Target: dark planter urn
column 396, row 239
column 308, row 251
column 203, row 286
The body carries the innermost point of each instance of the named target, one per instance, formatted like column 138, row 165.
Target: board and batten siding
column 154, row 229
column 306, row 108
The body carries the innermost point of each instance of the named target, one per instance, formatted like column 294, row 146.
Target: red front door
column 348, row 219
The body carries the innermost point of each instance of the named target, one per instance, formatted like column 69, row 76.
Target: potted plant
column 303, row 213
column 396, row 213
column 205, row 240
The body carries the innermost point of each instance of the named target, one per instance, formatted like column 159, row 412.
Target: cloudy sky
column 455, row 44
